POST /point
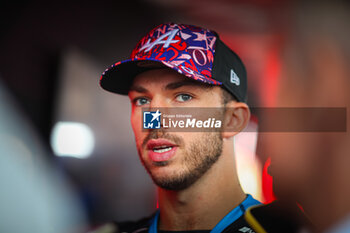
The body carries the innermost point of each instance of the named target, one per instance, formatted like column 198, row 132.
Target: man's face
column 175, row 160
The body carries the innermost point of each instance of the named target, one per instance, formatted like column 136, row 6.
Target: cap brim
column 119, row 77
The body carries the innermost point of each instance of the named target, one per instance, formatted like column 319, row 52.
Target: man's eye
column 183, row 97
column 141, row 101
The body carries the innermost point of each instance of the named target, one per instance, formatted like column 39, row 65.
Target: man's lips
column 160, row 149
column 157, row 143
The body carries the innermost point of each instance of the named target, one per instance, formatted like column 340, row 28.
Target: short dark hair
column 227, row 96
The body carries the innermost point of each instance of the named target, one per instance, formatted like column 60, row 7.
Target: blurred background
column 52, row 54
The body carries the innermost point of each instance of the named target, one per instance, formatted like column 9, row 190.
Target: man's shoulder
column 277, row 217
column 139, row 226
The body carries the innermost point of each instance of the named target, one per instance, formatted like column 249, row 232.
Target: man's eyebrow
column 170, row 86
column 175, row 85
column 138, row 89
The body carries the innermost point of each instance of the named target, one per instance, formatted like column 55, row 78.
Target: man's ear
column 236, row 118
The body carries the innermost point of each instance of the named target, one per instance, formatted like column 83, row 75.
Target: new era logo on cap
column 195, row 52
column 234, row 78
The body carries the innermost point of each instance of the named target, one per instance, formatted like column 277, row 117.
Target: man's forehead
column 164, row 78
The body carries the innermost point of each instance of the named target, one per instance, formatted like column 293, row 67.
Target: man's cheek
column 138, row 134
column 140, row 139
column 136, row 125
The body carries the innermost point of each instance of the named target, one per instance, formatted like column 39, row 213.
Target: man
column 183, row 66
column 312, row 168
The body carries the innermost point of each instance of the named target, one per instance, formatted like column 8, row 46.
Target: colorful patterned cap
column 192, row 51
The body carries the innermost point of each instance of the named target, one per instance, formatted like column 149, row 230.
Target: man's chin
column 162, row 171
column 175, row 182
column 172, row 184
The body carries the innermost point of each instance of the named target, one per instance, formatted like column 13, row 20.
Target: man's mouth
column 160, row 150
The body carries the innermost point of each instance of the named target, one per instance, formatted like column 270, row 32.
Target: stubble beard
column 196, row 160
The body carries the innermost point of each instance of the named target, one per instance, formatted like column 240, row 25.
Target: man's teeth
column 162, row 150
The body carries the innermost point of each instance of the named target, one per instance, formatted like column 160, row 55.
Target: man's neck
column 206, row 202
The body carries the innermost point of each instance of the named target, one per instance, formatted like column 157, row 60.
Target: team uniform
column 248, row 217
column 232, row 222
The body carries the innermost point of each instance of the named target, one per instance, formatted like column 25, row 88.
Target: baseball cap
column 193, row 51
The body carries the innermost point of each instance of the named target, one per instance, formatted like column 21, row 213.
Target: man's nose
column 162, row 104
